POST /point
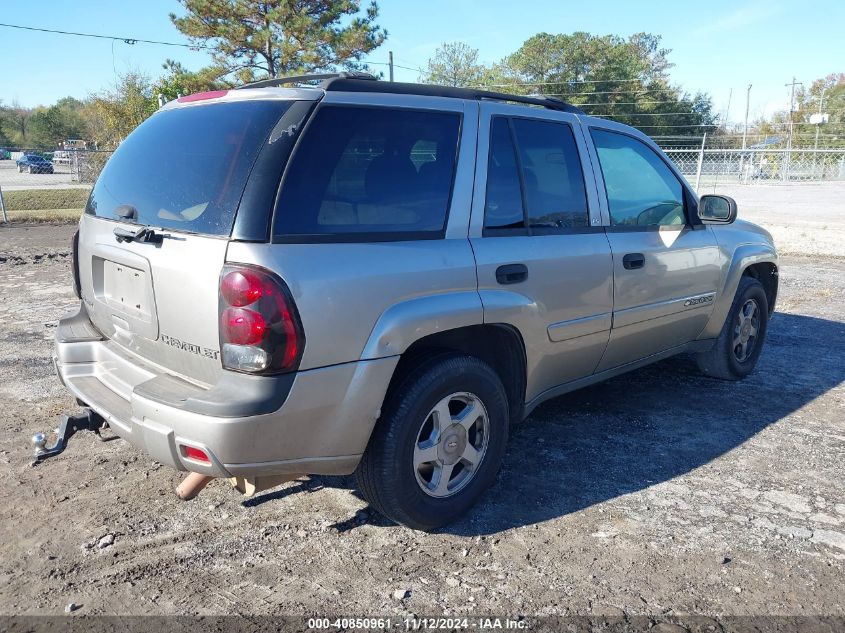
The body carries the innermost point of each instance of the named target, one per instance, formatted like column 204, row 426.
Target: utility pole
column 791, row 122
column 747, row 106
column 700, row 164
column 743, row 169
column 818, row 125
column 390, row 60
column 728, row 109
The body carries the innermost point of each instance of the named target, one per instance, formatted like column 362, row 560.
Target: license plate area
column 124, row 304
column 126, row 289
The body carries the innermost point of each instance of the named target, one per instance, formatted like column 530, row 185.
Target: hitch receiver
column 88, row 421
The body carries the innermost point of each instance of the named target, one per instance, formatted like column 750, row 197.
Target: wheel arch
column 767, row 274
column 497, row 344
column 755, row 260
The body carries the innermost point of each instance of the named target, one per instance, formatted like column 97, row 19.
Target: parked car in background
column 34, row 164
column 5, row 154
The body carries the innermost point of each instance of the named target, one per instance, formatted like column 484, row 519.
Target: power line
column 556, row 83
column 116, row 38
column 621, row 114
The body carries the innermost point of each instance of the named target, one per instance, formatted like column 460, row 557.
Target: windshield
column 186, row 168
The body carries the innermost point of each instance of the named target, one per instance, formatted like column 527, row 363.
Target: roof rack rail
column 295, row 79
column 350, row 84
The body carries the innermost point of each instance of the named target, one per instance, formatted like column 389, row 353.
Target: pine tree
column 256, row 39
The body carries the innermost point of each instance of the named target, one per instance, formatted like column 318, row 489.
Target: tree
column 13, row 122
column 827, row 92
column 623, row 78
column 114, row 113
column 47, row 127
column 268, row 38
column 626, row 79
column 180, row 81
column 455, row 64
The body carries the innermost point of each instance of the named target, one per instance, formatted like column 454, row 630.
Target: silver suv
column 380, row 278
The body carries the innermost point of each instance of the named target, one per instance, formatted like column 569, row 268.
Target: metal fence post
column 700, row 162
column 3, row 207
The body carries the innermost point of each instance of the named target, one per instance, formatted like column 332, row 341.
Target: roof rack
column 356, row 81
column 296, row 79
column 351, row 84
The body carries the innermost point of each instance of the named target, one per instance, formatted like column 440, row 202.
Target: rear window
column 384, row 173
column 185, row 169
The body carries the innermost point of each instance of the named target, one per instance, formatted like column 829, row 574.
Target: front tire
column 740, row 342
column 438, row 444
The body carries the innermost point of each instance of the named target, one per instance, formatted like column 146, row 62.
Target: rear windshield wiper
column 143, row 234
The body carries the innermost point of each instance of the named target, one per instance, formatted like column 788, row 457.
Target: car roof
column 365, row 82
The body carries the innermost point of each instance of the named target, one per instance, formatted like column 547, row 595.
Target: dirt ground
column 657, row 493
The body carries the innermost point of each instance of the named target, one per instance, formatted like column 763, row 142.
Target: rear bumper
column 312, row 422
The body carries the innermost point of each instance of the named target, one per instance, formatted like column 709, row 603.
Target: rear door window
column 386, row 173
column 186, row 168
column 534, row 177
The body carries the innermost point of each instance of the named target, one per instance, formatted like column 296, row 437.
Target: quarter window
column 534, row 177
column 641, row 189
column 370, row 170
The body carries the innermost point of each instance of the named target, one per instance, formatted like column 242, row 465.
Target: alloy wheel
column 451, row 444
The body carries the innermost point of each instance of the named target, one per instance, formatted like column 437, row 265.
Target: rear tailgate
column 159, row 302
column 182, row 174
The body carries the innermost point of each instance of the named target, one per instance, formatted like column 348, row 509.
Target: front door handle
column 632, row 261
column 511, row 274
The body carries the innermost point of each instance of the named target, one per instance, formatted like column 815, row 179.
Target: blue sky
column 725, row 46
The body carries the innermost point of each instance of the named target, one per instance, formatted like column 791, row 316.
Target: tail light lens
column 260, row 330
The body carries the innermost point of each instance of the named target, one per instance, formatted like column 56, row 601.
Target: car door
column 543, row 260
column 665, row 262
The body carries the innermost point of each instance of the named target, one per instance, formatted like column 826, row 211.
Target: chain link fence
column 37, row 185
column 704, row 167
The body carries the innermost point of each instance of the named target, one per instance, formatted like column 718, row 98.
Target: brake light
column 202, row 96
column 243, row 327
column 260, row 330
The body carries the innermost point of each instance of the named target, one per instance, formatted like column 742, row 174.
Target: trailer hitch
column 88, row 421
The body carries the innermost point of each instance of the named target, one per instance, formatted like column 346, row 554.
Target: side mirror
column 713, row 209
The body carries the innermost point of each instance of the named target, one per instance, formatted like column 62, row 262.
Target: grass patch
column 45, row 199
column 45, row 205
column 56, row 216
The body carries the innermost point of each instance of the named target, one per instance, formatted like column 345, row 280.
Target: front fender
column 403, row 323
column 744, row 256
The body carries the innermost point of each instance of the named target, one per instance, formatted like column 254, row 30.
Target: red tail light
column 260, row 330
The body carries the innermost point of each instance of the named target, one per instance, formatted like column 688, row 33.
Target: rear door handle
column 511, row 274
column 632, row 261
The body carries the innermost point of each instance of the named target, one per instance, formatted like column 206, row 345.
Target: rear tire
column 740, row 342
column 438, row 444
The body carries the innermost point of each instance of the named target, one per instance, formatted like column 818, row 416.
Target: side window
column 552, row 175
column 370, row 170
column 641, row 189
column 539, row 183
